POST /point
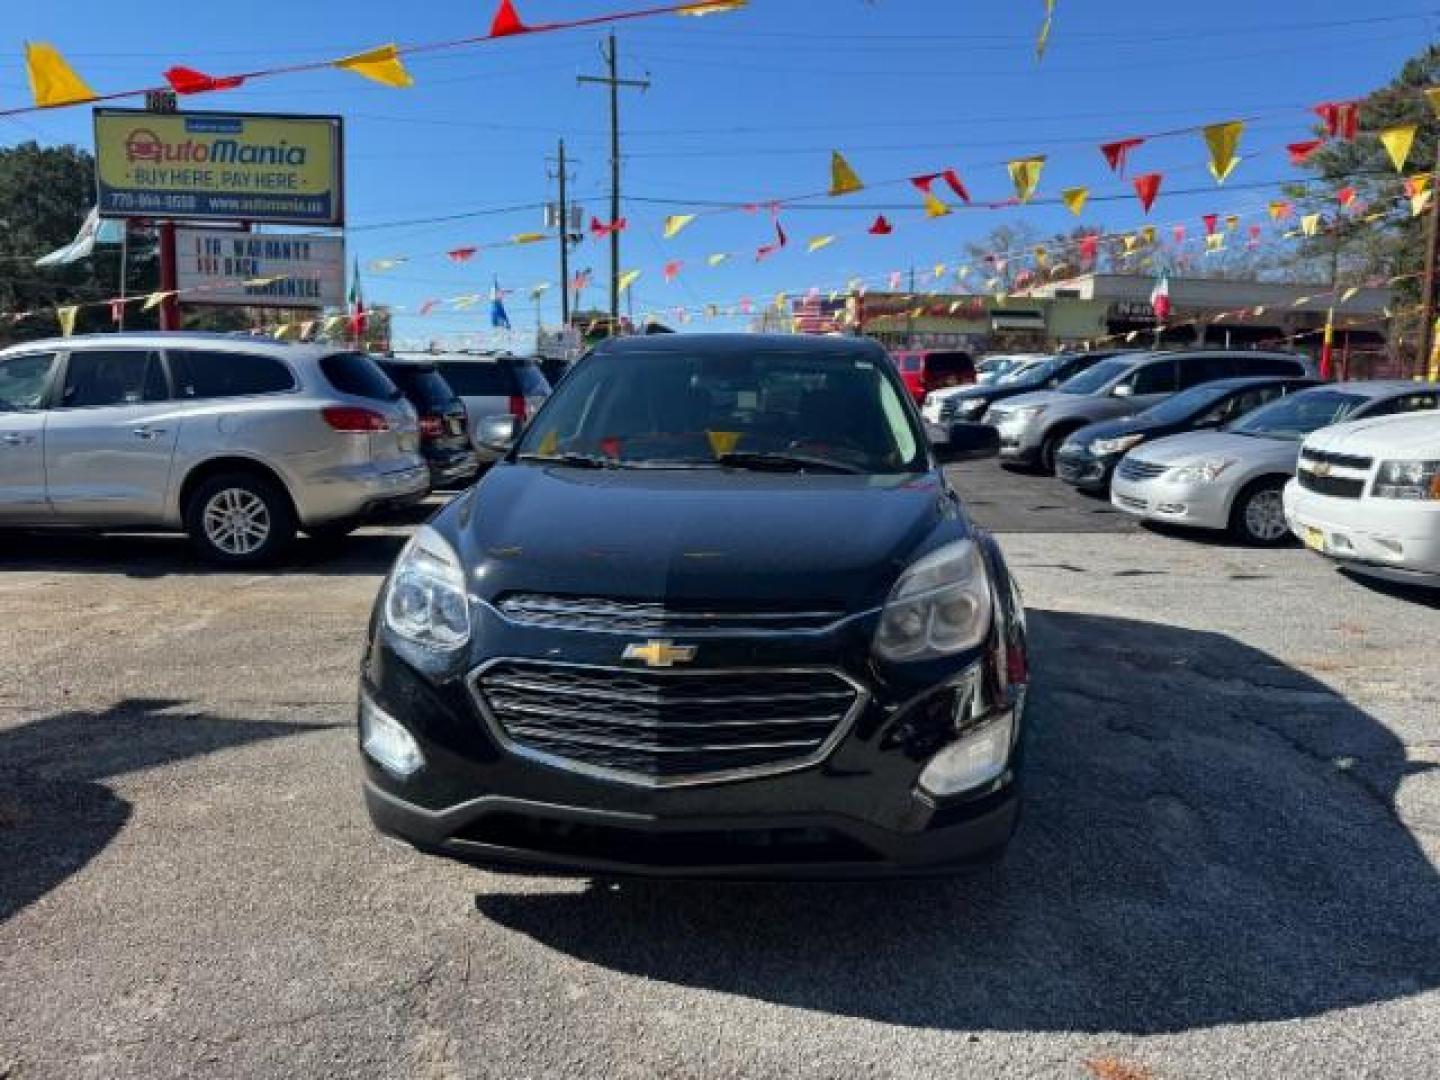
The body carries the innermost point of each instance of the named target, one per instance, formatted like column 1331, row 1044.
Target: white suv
column 1367, row 494
column 237, row 441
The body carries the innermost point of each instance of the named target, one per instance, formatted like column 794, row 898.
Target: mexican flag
column 1160, row 297
column 356, row 305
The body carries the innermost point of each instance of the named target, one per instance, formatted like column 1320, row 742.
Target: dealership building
column 1113, row 307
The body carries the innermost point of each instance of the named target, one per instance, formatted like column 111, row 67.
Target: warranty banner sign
column 260, row 269
column 219, row 167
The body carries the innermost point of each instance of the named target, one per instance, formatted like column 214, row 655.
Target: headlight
column 1028, row 412
column 1107, row 447
column 939, row 607
column 1203, row 472
column 1408, row 480
column 426, row 601
column 973, row 407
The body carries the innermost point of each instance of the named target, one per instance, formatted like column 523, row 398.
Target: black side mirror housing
column 498, row 433
column 963, row 442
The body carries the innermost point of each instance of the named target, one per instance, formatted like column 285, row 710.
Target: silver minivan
column 238, row 442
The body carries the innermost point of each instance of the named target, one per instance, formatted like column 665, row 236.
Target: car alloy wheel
column 237, row 521
column 1264, row 516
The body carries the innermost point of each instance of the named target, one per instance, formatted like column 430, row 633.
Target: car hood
column 701, row 535
column 1036, row 397
column 1413, row 436
column 1206, row 445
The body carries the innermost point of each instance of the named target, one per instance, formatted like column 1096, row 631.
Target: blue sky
column 745, row 107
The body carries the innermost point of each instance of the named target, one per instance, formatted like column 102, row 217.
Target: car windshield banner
column 219, row 167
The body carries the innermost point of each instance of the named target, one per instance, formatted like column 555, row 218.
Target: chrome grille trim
column 790, row 753
column 608, row 616
column 1134, row 469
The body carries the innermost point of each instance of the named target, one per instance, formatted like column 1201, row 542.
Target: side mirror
column 1124, row 390
column 964, row 442
column 498, row 433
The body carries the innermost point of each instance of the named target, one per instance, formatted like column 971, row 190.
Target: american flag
column 815, row 315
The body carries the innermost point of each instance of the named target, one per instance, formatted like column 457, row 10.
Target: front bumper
column 856, row 813
column 1019, row 441
column 1391, row 538
column 1082, row 469
column 1200, row 506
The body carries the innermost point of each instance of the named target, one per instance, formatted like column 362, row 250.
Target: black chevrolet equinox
column 718, row 612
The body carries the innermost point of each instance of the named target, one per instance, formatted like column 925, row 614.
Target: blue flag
column 498, row 318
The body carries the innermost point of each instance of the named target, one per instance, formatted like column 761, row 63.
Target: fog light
column 386, row 741
column 978, row 757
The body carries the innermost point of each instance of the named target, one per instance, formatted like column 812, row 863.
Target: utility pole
column 614, row 82
column 562, row 174
column 1432, row 259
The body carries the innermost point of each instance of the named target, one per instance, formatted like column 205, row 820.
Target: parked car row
column 237, row 442
column 1212, row 439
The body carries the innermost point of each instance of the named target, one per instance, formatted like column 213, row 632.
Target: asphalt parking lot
column 1228, row 865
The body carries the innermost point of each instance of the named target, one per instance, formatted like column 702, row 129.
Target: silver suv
column 236, row 441
column 1033, row 426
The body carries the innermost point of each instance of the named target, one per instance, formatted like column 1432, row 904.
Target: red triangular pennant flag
column 672, row 269
column 1300, row 152
column 1211, row 221
column 953, row 179
column 1117, row 152
column 1089, row 248
column 1179, row 233
column 1342, row 118
column 881, row 227
column 461, row 255
column 600, row 229
column 507, row 21
column 780, row 241
column 1147, row 187
column 924, row 182
column 184, row 80
column 1346, row 195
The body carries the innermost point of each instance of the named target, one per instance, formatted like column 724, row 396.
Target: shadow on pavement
column 1425, row 596
column 157, row 555
column 1210, row 838
column 56, row 814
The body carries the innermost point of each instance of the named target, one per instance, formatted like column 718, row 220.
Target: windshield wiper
column 575, row 461
column 762, row 462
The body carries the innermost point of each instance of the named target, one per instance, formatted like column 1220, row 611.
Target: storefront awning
column 1018, row 320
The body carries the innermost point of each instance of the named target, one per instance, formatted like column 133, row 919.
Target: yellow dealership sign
column 219, row 167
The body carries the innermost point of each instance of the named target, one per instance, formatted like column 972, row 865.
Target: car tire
column 239, row 519
column 1050, row 449
column 1258, row 516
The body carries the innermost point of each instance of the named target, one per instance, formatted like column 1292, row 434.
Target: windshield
column 1098, row 377
column 1185, row 404
column 678, row 408
column 1027, row 372
column 1298, row 415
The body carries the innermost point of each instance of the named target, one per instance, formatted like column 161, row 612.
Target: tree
column 1354, row 248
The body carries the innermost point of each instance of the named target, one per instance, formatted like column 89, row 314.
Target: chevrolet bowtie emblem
column 660, row 653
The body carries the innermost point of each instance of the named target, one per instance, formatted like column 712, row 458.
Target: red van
column 924, row 370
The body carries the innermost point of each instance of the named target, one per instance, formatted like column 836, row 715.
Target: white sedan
column 1233, row 479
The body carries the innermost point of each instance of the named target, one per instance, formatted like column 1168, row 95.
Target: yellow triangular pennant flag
column 1278, row 210
column 843, row 180
column 1310, row 224
column 549, row 444
column 724, row 442
column 527, row 238
column 628, row 278
column 1223, row 140
column 1397, row 142
column 1025, row 174
column 1130, row 240
column 939, row 271
column 1349, row 294
column 934, row 207
column 66, row 317
column 718, row 258
column 1041, row 256
column 52, row 80
column 1075, row 199
column 711, row 7
column 821, row 242
column 1232, row 222
column 780, row 299
column 1148, row 234
column 1215, row 243
column 380, row 65
column 154, row 300
column 1420, row 203
column 675, row 222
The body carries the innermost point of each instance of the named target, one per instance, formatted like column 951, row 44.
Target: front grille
column 1340, row 487
column 605, row 615
column 1133, row 469
column 1344, row 461
column 660, row 728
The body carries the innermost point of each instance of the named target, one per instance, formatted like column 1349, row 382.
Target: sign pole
column 170, row 306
